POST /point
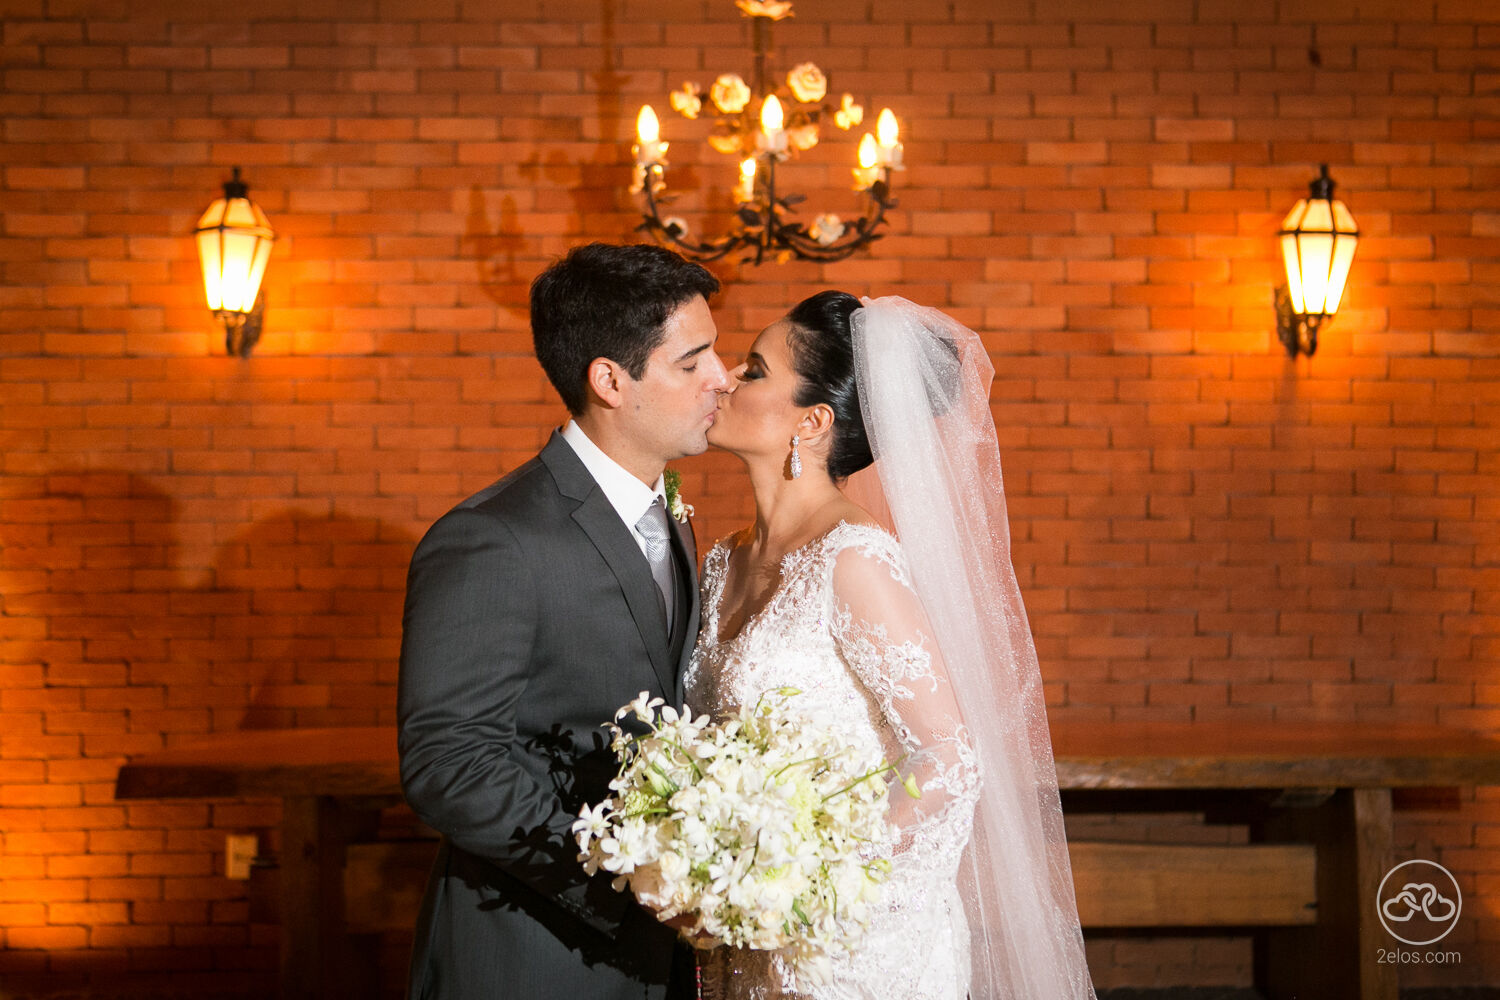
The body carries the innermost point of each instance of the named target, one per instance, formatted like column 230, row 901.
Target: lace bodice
column 845, row 627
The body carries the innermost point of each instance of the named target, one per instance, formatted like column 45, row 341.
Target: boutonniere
column 672, row 479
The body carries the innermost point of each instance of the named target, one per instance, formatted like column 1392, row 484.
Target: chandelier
column 762, row 126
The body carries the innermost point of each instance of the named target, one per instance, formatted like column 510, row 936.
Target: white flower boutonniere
column 672, row 479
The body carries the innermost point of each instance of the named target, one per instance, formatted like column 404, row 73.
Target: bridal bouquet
column 765, row 829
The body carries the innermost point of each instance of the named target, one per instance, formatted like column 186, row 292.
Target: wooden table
column 1316, row 798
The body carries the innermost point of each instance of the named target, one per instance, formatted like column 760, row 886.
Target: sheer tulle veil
column 924, row 382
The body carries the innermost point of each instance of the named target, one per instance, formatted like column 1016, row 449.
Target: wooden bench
column 1316, row 799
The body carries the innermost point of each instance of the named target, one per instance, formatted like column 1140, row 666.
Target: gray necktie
column 658, row 537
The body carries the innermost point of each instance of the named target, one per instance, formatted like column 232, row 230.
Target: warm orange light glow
column 647, row 128
column 1317, row 247
column 234, row 244
column 771, row 117
column 887, row 129
column 867, row 151
column 744, row 191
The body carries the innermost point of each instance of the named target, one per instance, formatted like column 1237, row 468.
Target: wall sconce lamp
column 1318, row 238
column 234, row 243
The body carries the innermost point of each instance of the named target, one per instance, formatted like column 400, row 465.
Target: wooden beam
column 1129, row 755
column 1191, row 885
column 1118, row 885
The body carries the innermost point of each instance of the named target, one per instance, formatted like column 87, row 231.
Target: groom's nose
column 718, row 378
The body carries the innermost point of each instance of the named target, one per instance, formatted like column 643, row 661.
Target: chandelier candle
column 867, row 173
column 744, row 191
column 889, row 153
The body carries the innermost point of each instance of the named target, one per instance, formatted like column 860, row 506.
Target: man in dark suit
column 534, row 610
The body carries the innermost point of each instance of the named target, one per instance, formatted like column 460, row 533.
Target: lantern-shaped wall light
column 234, row 243
column 1318, row 238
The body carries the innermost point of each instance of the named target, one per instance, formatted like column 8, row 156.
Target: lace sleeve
column 882, row 633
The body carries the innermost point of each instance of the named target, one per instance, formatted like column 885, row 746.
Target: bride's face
column 757, row 417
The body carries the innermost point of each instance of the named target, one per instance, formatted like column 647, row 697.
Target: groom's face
column 672, row 406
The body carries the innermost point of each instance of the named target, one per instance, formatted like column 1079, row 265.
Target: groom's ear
column 604, row 378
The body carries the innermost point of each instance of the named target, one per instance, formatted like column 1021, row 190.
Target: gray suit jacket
column 531, row 617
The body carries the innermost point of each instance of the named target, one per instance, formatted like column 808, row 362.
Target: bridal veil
column 924, row 382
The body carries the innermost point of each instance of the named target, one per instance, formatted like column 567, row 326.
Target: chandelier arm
column 696, row 249
column 864, row 232
column 809, row 249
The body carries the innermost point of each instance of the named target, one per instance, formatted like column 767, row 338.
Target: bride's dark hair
column 822, row 347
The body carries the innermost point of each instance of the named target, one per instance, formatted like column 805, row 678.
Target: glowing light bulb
column 647, row 128
column 744, row 191
column 889, row 135
column 867, row 173
column 771, row 117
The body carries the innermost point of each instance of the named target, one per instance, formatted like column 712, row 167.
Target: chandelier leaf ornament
column 763, row 124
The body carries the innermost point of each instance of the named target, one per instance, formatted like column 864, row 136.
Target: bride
column 919, row 647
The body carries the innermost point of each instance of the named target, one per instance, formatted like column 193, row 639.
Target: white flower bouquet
column 766, row 830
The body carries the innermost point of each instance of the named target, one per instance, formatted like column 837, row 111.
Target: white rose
column 826, row 229
column 674, row 867
column 807, row 82
column 730, row 93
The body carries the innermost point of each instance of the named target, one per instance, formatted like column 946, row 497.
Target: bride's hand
column 682, row 925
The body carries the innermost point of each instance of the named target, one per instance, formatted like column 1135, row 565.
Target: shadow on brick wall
column 131, row 618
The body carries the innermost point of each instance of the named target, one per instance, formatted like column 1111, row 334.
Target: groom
column 534, row 610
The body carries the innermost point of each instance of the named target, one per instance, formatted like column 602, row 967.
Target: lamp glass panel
column 1338, row 272
column 1294, row 216
column 1318, row 218
column 1342, row 220
column 1289, row 257
column 212, row 259
column 1316, row 253
column 257, row 271
column 234, row 244
column 1293, row 270
column 240, row 281
column 209, row 253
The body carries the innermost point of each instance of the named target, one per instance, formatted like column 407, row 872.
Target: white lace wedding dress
column 845, row 628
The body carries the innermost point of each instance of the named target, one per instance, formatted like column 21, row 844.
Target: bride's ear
column 816, row 426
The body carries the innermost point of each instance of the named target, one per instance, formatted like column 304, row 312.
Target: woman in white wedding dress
column 917, row 647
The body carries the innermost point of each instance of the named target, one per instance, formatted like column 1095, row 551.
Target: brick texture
column 1204, row 529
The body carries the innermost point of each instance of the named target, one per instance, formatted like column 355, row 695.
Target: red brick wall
column 1205, row 530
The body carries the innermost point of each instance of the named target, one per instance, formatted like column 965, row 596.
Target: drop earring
column 796, row 461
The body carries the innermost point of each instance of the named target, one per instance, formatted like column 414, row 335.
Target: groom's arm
column 467, row 635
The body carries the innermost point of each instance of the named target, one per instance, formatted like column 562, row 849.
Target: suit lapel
column 601, row 522
column 685, row 544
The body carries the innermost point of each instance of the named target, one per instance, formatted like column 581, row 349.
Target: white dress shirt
column 626, row 494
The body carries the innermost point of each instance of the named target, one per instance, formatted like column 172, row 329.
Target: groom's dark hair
column 605, row 300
